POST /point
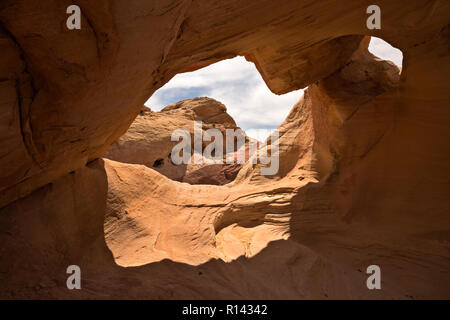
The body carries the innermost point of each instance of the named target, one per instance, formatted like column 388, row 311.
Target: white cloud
column 238, row 85
column 259, row 134
column 385, row 51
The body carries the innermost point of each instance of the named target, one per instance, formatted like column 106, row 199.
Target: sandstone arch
column 370, row 177
column 120, row 57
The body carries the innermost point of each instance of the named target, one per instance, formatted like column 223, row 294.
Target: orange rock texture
column 364, row 156
column 148, row 141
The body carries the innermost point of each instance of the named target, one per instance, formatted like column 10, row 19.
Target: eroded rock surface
column 148, row 141
column 364, row 170
column 82, row 89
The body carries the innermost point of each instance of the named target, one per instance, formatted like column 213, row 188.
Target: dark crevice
column 24, row 111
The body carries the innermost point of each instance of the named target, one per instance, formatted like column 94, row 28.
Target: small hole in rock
column 158, row 163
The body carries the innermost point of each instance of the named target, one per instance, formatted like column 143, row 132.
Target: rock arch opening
column 225, row 94
column 354, row 164
column 326, row 135
column 229, row 95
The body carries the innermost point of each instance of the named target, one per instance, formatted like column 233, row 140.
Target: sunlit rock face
column 364, row 170
column 150, row 141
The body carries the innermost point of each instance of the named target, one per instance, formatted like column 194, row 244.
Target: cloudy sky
column 237, row 84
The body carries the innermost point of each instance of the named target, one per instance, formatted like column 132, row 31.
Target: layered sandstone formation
column 364, row 170
column 149, row 141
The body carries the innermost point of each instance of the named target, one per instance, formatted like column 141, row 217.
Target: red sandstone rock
column 216, row 174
